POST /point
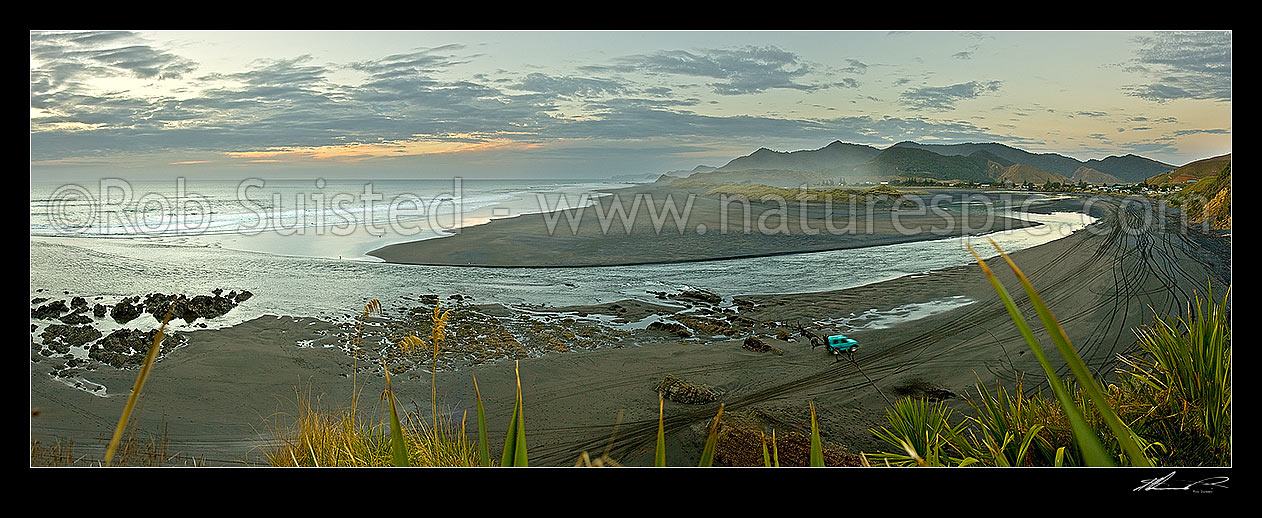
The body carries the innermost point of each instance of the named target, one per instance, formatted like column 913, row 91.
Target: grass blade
column 766, row 457
column 1093, row 452
column 141, row 377
column 515, row 443
column 659, row 457
column 707, row 454
column 1079, row 368
column 484, row 452
column 817, row 448
column 397, row 450
column 775, row 450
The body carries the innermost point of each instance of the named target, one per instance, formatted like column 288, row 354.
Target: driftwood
column 815, row 339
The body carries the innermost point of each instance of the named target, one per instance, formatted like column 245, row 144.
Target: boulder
column 60, row 337
column 50, row 311
column 680, row 391
column 128, row 347
column 672, row 328
column 78, row 317
column 756, row 344
column 125, row 311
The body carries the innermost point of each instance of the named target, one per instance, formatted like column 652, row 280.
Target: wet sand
column 217, row 394
column 712, row 229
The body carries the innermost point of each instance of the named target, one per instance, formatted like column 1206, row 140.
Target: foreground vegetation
column 1171, row 405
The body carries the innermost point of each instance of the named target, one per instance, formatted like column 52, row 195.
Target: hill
column 837, row 157
column 1129, row 168
column 1207, row 200
column 1095, row 177
column 1203, row 168
column 1021, row 173
column 918, row 163
column 1050, row 162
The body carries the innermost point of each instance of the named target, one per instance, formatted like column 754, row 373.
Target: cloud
column 941, row 98
column 741, row 70
column 1183, row 65
column 1216, row 131
column 568, row 86
column 60, row 59
column 1092, row 114
column 963, row 54
column 855, row 66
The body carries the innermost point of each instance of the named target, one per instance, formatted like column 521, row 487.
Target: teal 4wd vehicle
column 838, row 344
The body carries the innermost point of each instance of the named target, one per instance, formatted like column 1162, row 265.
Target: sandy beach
column 709, row 228
column 218, row 394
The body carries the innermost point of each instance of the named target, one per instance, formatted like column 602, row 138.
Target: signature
column 1205, row 485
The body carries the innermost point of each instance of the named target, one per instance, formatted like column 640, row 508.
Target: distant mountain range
column 987, row 162
column 1128, row 168
column 838, row 157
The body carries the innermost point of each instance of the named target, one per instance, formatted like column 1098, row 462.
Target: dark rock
column 125, row 311
column 698, row 295
column 755, row 344
column 128, row 347
column 672, row 328
column 203, row 306
column 710, row 326
column 60, row 337
column 245, row 295
column 78, row 317
column 456, row 297
column 38, row 300
column 680, row 391
column 78, row 302
column 217, row 291
column 50, row 311
column 157, row 304
column 658, row 294
column 99, row 310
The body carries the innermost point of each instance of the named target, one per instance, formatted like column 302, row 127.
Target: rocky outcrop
column 128, row 347
column 697, row 296
column 756, row 344
column 126, row 310
column 60, row 338
column 50, row 311
column 182, row 307
column 672, row 328
column 680, row 391
column 76, row 318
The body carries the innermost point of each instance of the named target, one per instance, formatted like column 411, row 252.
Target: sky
column 569, row 104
